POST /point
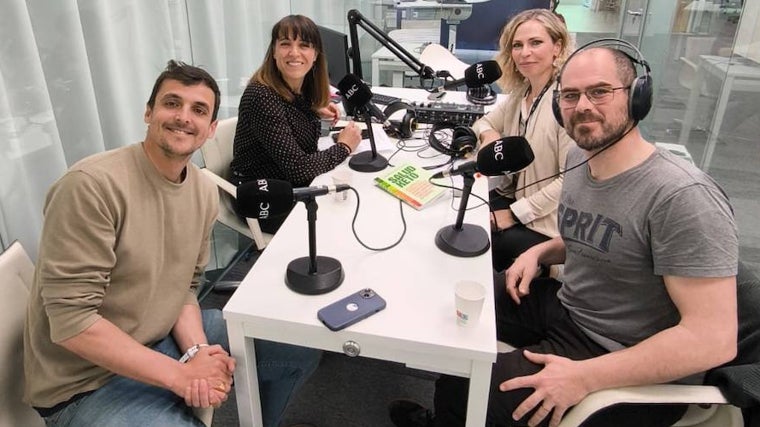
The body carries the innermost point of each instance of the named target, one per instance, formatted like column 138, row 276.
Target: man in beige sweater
column 113, row 306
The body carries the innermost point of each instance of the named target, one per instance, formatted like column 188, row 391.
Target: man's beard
column 612, row 131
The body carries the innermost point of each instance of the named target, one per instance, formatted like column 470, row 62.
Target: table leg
column 720, row 111
column 691, row 105
column 246, row 376
column 452, row 38
column 398, row 78
column 477, row 402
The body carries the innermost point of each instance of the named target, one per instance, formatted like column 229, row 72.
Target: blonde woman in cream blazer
column 533, row 46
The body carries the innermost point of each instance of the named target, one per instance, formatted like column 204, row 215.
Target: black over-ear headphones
column 463, row 139
column 640, row 94
column 406, row 127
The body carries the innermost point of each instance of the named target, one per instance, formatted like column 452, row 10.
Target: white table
column 736, row 75
column 417, row 328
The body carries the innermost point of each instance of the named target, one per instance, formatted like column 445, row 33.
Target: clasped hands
column 562, row 382
column 207, row 378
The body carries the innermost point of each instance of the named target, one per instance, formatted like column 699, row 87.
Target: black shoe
column 405, row 413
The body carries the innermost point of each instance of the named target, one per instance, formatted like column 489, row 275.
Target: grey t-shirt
column 663, row 217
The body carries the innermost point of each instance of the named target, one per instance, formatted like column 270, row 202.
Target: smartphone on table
column 351, row 309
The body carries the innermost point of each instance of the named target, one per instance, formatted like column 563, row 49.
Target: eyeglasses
column 596, row 95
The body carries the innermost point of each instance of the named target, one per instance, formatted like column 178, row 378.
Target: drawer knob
column 351, row 348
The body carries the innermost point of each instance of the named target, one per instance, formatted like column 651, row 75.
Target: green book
column 411, row 184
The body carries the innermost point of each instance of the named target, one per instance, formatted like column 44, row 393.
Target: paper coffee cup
column 341, row 176
column 469, row 296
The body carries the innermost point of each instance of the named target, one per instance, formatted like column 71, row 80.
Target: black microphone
column 477, row 75
column 265, row 198
column 502, row 157
column 358, row 99
column 358, row 96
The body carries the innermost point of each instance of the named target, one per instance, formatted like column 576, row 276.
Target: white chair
column 217, row 155
column 707, row 405
column 439, row 58
column 17, row 273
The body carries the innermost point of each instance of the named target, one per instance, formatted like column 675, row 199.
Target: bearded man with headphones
column 650, row 250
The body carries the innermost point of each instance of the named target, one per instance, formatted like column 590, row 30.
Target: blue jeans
column 125, row 402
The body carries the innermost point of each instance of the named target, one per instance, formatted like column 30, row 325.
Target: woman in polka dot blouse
column 280, row 110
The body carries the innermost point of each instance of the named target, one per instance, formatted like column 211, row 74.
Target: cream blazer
column 536, row 206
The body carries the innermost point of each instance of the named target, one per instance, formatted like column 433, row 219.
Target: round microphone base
column 469, row 241
column 365, row 162
column 481, row 95
column 329, row 275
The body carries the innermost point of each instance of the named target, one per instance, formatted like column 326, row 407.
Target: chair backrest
column 217, row 151
column 16, row 274
column 440, row 58
column 217, row 155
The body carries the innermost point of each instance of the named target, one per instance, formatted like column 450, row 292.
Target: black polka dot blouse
column 277, row 139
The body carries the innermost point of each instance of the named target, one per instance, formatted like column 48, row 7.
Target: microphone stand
column 313, row 275
column 482, row 95
column 463, row 240
column 368, row 161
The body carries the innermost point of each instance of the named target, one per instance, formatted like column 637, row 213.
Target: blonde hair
column 511, row 78
column 315, row 84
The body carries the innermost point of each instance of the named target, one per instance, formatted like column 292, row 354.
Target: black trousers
column 506, row 245
column 542, row 325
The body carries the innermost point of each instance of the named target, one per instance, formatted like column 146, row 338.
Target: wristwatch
column 191, row 352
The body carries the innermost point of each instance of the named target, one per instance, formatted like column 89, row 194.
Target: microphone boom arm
column 356, row 18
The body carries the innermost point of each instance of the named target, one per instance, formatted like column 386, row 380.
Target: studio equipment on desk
column 435, row 113
column 358, row 99
column 463, row 140
column 478, row 78
column 502, row 157
column 447, row 112
column 264, row 198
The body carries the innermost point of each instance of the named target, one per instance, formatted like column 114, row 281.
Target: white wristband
column 191, row 352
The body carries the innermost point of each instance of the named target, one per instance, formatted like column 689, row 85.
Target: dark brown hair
column 315, row 85
column 188, row 75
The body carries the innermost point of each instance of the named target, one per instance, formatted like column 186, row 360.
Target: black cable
column 562, row 172
column 356, row 214
column 456, row 208
column 398, row 149
column 448, row 162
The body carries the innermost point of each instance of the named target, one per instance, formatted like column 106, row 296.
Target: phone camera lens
column 367, row 293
